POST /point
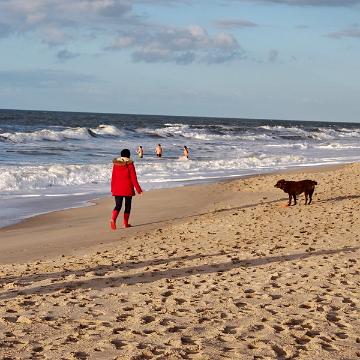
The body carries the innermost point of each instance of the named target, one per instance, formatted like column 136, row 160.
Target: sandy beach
column 216, row 271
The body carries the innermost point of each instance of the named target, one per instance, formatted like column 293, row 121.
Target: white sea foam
column 289, row 146
column 72, row 162
column 107, row 130
column 320, row 133
column 349, row 133
column 338, row 146
column 200, row 133
column 15, row 178
column 53, row 134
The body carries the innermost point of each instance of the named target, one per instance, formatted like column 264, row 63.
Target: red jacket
column 123, row 179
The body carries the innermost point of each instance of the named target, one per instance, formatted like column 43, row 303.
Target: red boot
column 126, row 220
column 114, row 216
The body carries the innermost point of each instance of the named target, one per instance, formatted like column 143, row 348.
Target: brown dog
column 294, row 188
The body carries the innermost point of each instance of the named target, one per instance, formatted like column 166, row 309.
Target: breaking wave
column 53, row 134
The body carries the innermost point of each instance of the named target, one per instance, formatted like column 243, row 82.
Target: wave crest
column 78, row 133
column 13, row 178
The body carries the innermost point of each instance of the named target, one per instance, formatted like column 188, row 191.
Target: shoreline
column 91, row 200
column 74, row 230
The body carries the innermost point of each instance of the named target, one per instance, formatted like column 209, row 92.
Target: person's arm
column 133, row 177
column 112, row 184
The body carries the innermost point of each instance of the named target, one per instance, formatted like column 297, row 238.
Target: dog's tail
column 315, row 183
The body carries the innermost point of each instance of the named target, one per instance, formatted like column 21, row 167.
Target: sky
column 267, row 59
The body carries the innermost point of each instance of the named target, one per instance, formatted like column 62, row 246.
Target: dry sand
column 246, row 278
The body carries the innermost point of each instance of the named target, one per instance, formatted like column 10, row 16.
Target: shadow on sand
column 151, row 276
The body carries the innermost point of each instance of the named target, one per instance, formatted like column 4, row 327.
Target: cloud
column 60, row 22
column 43, row 78
column 165, row 2
column 273, row 55
column 343, row 3
column 234, row 24
column 353, row 32
column 179, row 45
column 4, row 30
column 286, row 2
column 55, row 20
column 320, row 3
column 64, row 55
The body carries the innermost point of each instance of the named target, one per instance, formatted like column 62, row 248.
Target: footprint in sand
column 294, row 322
column 166, row 322
column 179, row 301
column 128, row 308
column 48, row 318
column 301, row 340
column 312, row 333
column 176, row 329
column 147, row 319
column 332, row 317
column 227, row 349
column 118, row 330
column 166, row 294
column 275, row 296
column 187, row 340
column 278, row 328
column 38, row 349
column 279, row 351
column 80, row 355
column 230, row 329
column 251, row 346
column 347, row 300
column 70, row 339
column 119, row 344
column 341, row 335
column 326, row 346
column 305, row 306
column 240, row 305
column 122, row 317
column 203, row 319
column 256, row 327
column 27, row 303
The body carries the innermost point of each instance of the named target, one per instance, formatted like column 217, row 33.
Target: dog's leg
column 289, row 200
column 310, row 195
column 306, row 198
column 294, row 199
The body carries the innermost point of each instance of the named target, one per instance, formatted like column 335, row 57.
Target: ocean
column 56, row 160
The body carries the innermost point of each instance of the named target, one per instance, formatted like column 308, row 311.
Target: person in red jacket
column 123, row 181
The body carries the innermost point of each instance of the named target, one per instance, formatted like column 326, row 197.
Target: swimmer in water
column 159, row 151
column 140, row 152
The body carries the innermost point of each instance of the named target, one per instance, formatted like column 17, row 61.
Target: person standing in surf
column 159, row 151
column 123, row 182
column 140, row 152
column 186, row 152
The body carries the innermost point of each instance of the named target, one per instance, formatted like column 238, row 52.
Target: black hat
column 125, row 153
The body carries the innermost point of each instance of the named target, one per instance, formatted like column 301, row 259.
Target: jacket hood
column 122, row 161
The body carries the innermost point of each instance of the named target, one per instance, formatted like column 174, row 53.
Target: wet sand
column 208, row 272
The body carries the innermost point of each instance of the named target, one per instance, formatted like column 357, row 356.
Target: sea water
column 56, row 160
